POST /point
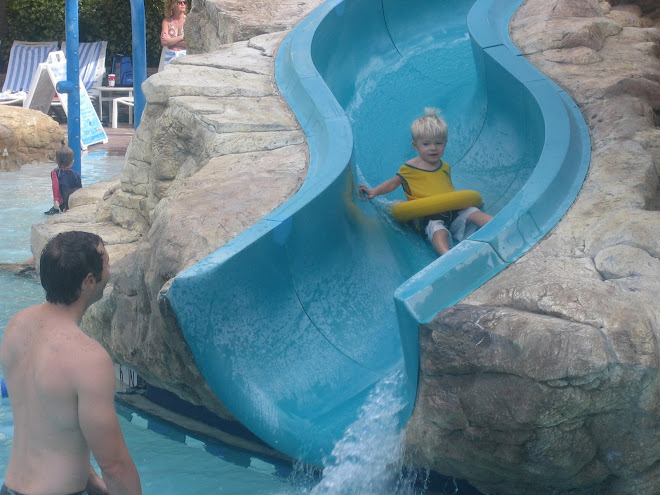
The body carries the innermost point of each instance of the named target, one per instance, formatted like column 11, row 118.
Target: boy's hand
column 368, row 193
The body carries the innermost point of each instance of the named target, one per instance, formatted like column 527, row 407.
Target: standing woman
column 171, row 33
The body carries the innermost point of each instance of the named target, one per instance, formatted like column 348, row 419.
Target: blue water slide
column 295, row 321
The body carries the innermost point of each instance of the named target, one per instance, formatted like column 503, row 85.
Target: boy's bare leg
column 479, row 218
column 441, row 241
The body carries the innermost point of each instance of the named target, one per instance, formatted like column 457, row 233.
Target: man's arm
column 99, row 424
column 95, row 485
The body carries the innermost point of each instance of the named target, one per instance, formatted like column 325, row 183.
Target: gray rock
column 213, row 23
column 205, row 81
column 545, row 380
column 114, row 237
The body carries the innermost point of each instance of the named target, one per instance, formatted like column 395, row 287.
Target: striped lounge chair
column 91, row 64
column 24, row 58
column 91, row 61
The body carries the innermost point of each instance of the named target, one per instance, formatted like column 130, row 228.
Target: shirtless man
column 61, row 383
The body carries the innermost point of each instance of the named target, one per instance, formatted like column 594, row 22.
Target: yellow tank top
column 418, row 183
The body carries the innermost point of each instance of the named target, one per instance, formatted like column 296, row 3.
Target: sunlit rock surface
column 217, row 22
column 545, row 380
column 27, row 136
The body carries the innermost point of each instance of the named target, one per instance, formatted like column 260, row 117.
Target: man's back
column 40, row 353
column 61, row 383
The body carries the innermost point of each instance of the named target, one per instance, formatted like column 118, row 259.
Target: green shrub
column 109, row 20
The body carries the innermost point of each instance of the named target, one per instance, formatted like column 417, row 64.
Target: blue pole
column 72, row 84
column 139, row 57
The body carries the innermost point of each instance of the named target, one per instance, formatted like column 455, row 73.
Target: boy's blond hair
column 430, row 126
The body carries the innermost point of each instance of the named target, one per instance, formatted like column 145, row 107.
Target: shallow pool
column 171, row 460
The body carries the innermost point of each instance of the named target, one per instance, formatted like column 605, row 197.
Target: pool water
column 169, row 459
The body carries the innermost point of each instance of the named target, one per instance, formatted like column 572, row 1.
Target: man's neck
column 74, row 311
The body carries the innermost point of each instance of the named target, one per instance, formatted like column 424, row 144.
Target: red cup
column 111, row 80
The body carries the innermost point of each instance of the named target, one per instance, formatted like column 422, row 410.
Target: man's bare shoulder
column 20, row 329
column 40, row 316
column 87, row 351
column 46, row 323
column 25, row 316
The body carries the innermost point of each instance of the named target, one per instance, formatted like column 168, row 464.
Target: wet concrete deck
column 118, row 139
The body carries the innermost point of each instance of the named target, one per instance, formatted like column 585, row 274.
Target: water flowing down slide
column 295, row 321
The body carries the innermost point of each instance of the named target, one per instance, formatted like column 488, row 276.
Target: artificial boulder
column 545, row 380
column 27, row 136
column 217, row 149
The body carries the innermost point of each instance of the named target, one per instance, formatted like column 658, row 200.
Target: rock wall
column 217, row 149
column 27, row 136
column 213, row 23
column 545, row 380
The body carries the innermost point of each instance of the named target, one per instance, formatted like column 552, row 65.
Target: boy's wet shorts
column 457, row 220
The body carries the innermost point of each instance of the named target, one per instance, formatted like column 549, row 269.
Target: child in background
column 426, row 175
column 64, row 180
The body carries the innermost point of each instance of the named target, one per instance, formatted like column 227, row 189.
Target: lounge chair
column 125, row 100
column 24, row 58
column 91, row 63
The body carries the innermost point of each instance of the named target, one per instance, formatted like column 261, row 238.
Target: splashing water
column 369, row 459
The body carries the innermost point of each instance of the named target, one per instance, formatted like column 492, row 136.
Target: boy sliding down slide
column 428, row 175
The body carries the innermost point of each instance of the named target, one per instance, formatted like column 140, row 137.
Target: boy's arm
column 56, row 188
column 386, row 187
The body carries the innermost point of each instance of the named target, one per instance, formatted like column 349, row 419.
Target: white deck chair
column 91, row 65
column 129, row 101
column 91, row 61
column 24, row 58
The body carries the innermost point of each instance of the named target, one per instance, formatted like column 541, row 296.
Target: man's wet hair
column 65, row 262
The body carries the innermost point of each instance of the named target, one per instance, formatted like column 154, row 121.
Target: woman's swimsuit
column 169, row 53
column 172, row 31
